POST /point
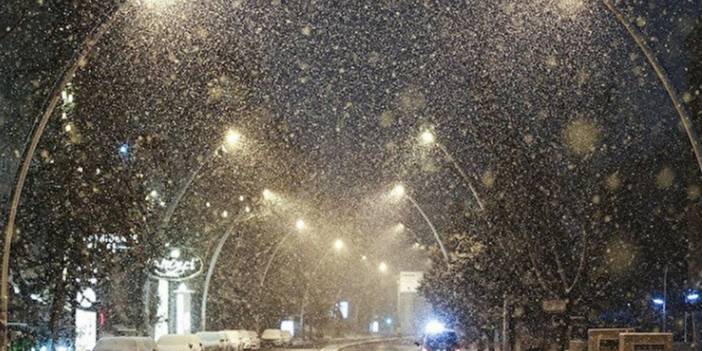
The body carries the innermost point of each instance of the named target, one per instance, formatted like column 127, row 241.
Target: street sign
column 554, row 306
column 181, row 264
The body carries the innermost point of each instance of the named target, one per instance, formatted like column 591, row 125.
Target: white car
column 174, row 342
column 125, row 343
column 214, row 341
column 287, row 338
column 237, row 339
column 272, row 337
column 253, row 342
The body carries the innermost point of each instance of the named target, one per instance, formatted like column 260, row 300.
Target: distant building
column 412, row 308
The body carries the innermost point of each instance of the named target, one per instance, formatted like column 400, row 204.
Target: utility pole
column 665, row 297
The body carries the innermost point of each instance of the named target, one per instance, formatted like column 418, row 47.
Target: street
column 227, row 174
column 392, row 346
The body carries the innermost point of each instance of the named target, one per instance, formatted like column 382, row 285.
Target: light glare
column 398, row 191
column 300, row 224
column 427, row 137
column 434, row 327
column 268, row 195
column 231, row 139
column 399, row 228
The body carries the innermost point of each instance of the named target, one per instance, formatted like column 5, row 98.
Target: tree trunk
column 564, row 330
column 482, row 341
column 491, row 339
column 57, row 309
column 512, row 332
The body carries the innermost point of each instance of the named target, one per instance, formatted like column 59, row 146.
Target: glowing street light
column 364, row 258
column 427, row 137
column 398, row 191
column 300, row 225
column 383, row 267
column 175, row 253
column 267, row 195
column 338, row 244
column 231, row 140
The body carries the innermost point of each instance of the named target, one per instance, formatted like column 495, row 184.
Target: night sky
column 333, row 99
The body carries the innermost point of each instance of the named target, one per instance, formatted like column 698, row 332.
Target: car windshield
column 526, row 173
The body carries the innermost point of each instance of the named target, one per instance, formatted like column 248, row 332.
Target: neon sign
column 179, row 265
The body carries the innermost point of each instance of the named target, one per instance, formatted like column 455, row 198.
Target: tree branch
column 581, row 264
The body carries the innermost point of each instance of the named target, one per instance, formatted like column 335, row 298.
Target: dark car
column 443, row 341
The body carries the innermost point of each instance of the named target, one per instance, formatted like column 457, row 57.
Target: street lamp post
column 231, row 140
column 299, row 225
column 338, row 246
column 663, row 78
column 213, row 264
column 663, row 301
column 665, row 297
column 428, row 138
column 398, row 192
column 37, row 132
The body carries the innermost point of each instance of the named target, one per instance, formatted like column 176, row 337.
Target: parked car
column 272, row 337
column 287, row 338
column 253, row 342
column 236, row 339
column 125, row 343
column 214, row 341
column 184, row 342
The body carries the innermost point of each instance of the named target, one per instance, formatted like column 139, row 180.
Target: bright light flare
column 158, row 4
column 427, row 137
column 300, row 225
column 338, row 244
column 658, row 301
column 175, row 253
column 383, row 267
column 231, row 140
column 570, row 7
column 434, row 327
column 398, row 191
column 270, row 196
column 692, row 297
